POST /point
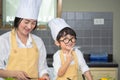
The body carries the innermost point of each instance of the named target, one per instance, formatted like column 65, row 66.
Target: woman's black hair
column 65, row 32
column 18, row 20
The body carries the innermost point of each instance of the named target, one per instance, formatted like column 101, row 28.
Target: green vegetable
column 9, row 79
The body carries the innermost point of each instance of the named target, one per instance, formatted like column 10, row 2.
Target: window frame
column 59, row 12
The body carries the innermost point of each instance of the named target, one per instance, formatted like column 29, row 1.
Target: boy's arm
column 64, row 67
column 88, row 75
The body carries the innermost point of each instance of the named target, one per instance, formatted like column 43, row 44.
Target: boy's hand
column 69, row 56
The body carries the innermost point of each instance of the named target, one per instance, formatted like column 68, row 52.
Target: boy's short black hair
column 65, row 31
column 18, row 20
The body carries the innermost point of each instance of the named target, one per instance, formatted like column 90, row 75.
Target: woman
column 22, row 54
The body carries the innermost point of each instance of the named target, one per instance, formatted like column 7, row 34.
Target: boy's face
column 67, row 42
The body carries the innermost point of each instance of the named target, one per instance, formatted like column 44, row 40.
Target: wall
column 92, row 38
column 100, row 6
column 0, row 7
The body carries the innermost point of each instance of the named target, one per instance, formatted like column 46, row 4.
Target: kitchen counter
column 100, row 68
column 102, row 64
column 96, row 64
column 110, row 62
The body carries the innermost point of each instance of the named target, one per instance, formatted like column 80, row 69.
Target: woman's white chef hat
column 28, row 9
column 56, row 25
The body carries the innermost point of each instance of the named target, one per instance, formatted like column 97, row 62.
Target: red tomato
column 41, row 79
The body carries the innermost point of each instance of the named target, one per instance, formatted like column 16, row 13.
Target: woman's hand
column 45, row 77
column 19, row 75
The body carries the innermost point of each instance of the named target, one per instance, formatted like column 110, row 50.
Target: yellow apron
column 23, row 59
column 72, row 71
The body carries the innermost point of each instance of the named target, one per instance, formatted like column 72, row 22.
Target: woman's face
column 26, row 26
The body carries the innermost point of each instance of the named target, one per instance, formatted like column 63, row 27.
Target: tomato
column 41, row 79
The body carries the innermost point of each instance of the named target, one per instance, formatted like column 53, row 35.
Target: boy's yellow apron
column 72, row 71
column 23, row 59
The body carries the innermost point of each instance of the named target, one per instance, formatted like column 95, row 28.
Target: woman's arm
column 5, row 73
column 43, row 73
column 19, row 75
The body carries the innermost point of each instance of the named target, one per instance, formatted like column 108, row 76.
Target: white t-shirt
column 5, row 51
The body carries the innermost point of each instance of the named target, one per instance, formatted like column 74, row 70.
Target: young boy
column 67, row 61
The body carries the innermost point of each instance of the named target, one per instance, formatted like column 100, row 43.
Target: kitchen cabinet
column 98, row 73
column 104, row 72
column 98, row 69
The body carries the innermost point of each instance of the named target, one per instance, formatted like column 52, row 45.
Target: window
column 49, row 9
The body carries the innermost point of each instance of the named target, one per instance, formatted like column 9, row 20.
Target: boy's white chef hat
column 28, row 9
column 56, row 25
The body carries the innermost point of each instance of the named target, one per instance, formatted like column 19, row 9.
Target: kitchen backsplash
column 94, row 32
column 92, row 37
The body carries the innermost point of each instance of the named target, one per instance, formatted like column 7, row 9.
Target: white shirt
column 5, row 51
column 81, row 62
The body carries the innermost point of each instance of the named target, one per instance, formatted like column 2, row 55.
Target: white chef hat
column 56, row 25
column 28, row 9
